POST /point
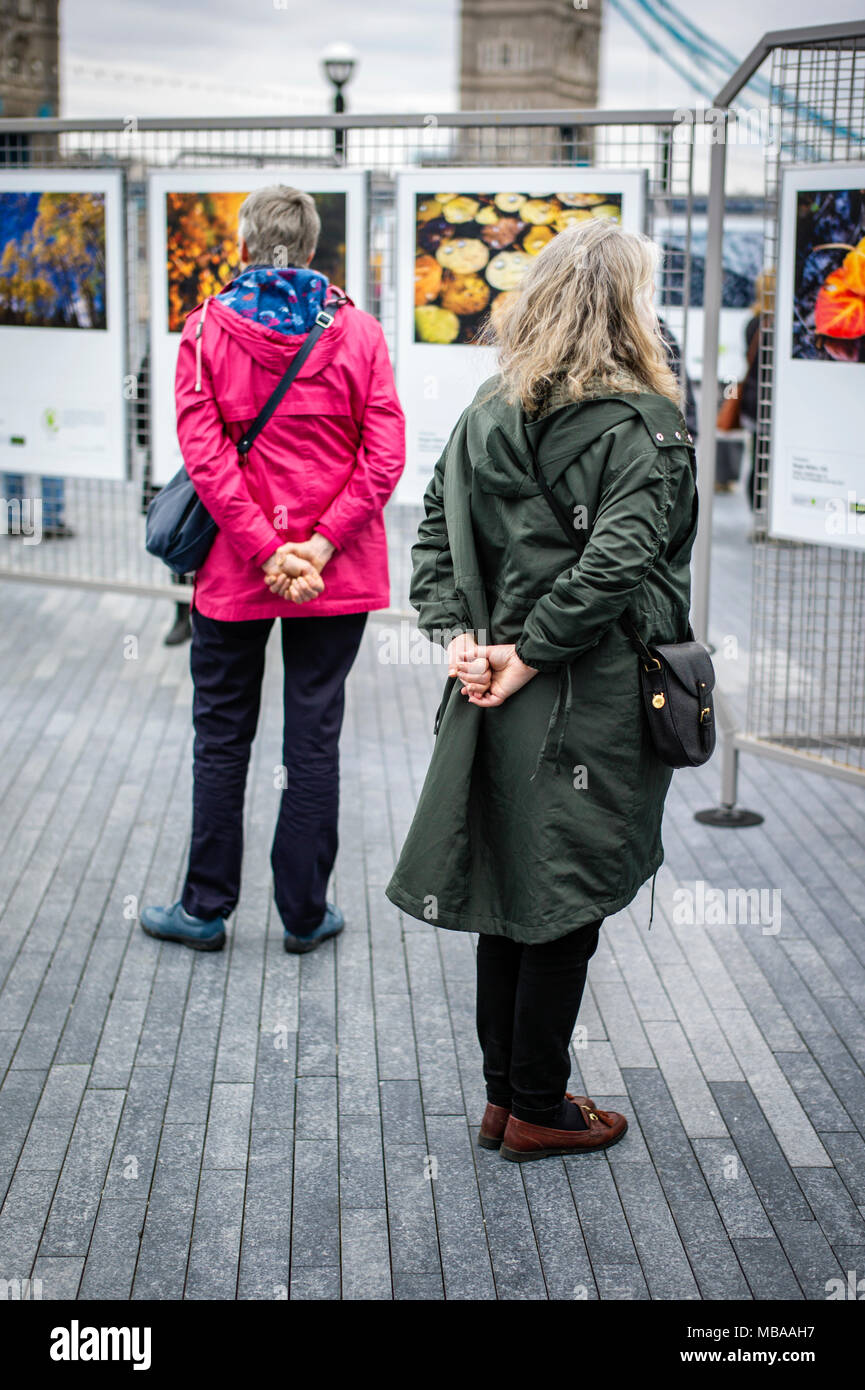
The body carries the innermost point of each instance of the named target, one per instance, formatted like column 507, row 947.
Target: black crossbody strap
column 323, row 320
column 578, row 539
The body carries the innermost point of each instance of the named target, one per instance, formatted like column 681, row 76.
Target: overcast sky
column 261, row 56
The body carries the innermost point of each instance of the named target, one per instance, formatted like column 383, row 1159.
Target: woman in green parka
column 541, row 811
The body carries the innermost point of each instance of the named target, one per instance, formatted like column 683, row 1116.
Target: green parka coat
column 544, row 814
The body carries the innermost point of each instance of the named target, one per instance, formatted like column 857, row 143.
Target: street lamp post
column 338, row 62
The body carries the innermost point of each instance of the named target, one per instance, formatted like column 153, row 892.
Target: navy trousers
column 227, row 664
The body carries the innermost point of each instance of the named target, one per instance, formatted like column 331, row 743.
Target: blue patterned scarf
column 285, row 298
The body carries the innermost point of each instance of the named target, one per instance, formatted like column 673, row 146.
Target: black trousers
column 227, row 664
column 527, row 1006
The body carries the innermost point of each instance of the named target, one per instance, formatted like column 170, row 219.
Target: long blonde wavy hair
column 583, row 319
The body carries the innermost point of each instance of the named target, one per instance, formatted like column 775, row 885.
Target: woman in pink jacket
column 301, row 538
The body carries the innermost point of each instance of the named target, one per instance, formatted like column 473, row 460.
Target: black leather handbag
column 677, row 678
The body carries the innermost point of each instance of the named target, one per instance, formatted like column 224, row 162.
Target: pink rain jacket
column 327, row 460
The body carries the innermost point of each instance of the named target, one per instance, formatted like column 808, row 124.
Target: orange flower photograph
column 829, row 292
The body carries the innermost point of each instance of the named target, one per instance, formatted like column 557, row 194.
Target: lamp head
column 339, row 61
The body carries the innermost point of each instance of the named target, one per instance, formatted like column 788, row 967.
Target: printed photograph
column 829, row 276
column 473, row 249
column 202, row 251
column 742, row 255
column 52, row 260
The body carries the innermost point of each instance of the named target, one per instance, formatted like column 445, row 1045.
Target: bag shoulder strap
column 323, row 320
column 579, row 539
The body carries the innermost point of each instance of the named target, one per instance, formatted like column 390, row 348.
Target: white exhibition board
column 458, row 252
column 62, row 323
column 196, row 211
column 817, row 466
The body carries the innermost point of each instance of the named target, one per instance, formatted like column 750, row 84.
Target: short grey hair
column 280, row 225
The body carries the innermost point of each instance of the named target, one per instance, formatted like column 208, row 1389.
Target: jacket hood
column 285, row 298
column 503, row 439
column 273, row 348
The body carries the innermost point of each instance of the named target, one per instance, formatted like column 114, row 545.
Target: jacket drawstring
column 199, row 329
column 561, row 712
column 652, row 908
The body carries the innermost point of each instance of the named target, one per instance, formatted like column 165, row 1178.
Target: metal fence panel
column 107, row 550
column 806, row 690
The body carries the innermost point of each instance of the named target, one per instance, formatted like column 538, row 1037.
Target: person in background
column 301, row 537
column 541, row 811
column 764, row 303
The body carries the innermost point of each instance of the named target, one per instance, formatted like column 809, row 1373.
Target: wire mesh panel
column 807, row 682
column 106, row 518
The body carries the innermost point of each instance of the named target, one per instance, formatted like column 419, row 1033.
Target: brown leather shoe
column 493, row 1126
column 523, row 1142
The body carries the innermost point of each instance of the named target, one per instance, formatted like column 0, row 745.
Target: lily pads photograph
column 829, row 276
column 473, row 249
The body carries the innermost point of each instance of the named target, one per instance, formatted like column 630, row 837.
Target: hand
column 290, row 576
column 508, row 675
column 315, row 552
column 467, row 666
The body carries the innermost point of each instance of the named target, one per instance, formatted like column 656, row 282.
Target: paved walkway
column 251, row 1125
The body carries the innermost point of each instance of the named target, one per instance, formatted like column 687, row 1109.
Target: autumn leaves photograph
column 202, row 251
column 829, row 293
column 52, row 260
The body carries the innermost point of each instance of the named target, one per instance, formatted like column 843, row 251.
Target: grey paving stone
column 401, row 1113
column 815, row 1093
column 365, row 1255
column 214, row 1251
column 315, row 1224
column 266, row 1245
column 316, row 1114
column 810, row 1256
column 693, row 1099
column 76, row 1200
column 413, row 1233
column 309, row 1285
column 564, row 1258
column 59, row 1277
column 227, row 1142
column 465, row 1255
column 662, row 1256
column 839, row 1217
column 51, row 1129
column 727, row 1178
column 361, row 1162
column 602, row 1217
column 848, row 1156
column 764, row 1159
column 418, row 1288
column 621, row 1283
column 110, row 1265
column 22, row 1220
column 767, row 1268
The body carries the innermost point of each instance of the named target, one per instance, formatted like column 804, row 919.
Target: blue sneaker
column 173, row 924
column 330, row 925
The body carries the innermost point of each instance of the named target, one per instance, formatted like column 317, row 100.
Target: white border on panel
column 78, row 374
column 817, row 454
